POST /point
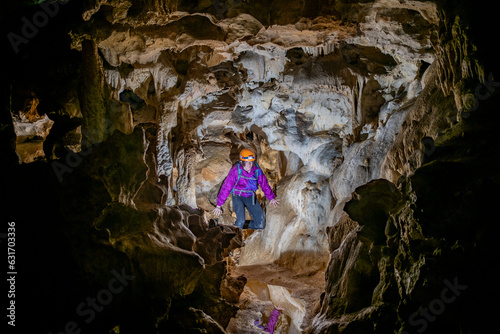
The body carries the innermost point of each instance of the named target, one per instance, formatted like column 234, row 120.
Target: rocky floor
column 270, row 285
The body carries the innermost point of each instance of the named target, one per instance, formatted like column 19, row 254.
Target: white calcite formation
column 324, row 101
column 30, row 136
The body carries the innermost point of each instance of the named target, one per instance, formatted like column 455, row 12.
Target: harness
column 255, row 178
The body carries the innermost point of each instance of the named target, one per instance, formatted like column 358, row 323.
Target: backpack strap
column 256, row 177
column 257, row 171
column 238, row 179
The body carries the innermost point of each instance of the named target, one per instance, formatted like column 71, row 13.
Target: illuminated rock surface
column 373, row 121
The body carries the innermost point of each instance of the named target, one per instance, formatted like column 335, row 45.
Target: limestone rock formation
column 373, row 120
column 31, row 129
column 318, row 90
column 175, row 258
column 30, row 138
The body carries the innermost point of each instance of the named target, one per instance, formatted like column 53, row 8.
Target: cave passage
column 374, row 123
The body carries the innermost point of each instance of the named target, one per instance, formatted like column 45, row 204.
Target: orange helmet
column 247, row 155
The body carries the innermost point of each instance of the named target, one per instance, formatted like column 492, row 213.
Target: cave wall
column 401, row 249
column 321, row 89
column 154, row 100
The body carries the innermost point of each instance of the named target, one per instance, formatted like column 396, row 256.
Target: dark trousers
column 258, row 221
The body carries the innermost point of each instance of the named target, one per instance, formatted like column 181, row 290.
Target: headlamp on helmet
column 247, row 155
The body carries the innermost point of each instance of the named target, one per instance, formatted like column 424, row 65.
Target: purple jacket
column 244, row 184
column 273, row 319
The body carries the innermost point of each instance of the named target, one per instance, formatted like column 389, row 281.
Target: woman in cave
column 242, row 181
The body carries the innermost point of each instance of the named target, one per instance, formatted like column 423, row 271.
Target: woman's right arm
column 227, row 186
